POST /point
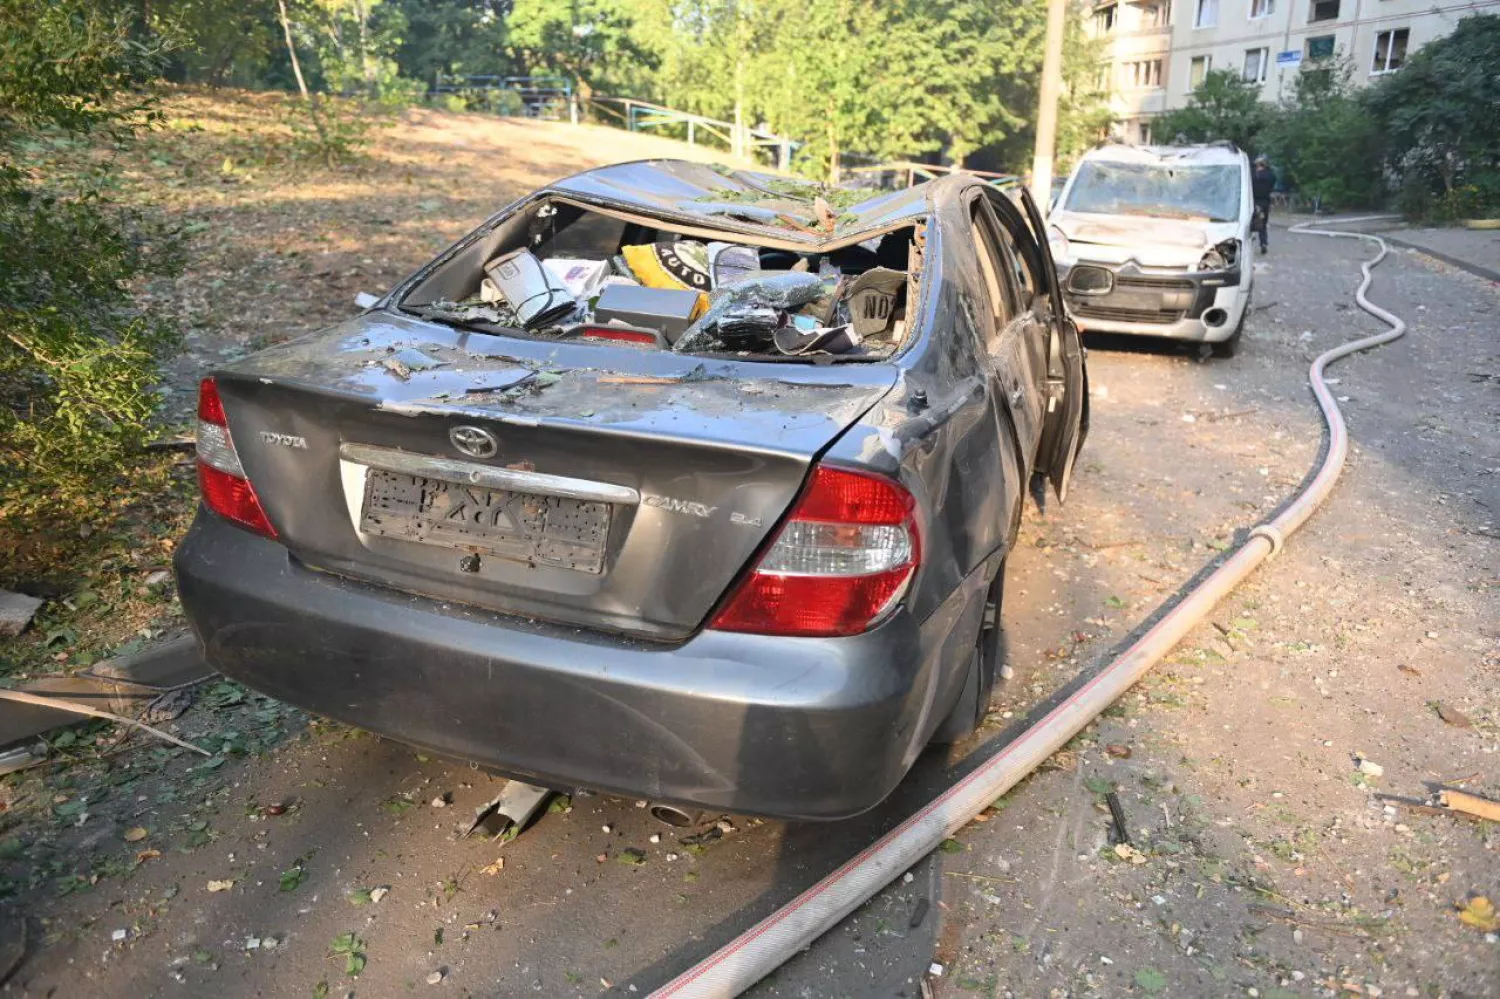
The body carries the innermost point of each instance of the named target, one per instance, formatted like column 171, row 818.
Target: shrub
column 78, row 360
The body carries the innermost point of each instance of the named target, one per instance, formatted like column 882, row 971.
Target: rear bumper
column 794, row 728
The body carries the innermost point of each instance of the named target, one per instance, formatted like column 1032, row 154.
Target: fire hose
column 761, row 949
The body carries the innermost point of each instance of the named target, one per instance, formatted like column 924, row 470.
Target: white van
column 1155, row 240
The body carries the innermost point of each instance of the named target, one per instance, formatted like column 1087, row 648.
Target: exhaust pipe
column 752, row 955
column 677, row 818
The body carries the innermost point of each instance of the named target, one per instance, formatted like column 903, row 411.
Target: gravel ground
column 1262, row 862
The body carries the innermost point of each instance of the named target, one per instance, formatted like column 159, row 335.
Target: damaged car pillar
column 719, row 469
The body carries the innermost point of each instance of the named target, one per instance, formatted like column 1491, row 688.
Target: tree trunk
column 308, row 96
column 367, row 65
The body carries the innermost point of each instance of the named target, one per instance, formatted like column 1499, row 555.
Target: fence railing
column 741, row 140
column 549, row 98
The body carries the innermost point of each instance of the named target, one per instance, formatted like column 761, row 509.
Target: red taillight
column 839, row 564
column 221, row 478
column 621, row 334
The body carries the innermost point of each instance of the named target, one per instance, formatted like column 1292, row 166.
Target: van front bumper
column 1201, row 306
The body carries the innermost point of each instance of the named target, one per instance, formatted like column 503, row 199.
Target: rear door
column 1066, row 420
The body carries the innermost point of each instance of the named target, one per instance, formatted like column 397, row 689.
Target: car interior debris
column 565, row 271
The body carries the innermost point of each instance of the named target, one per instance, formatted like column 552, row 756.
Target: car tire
column 984, row 670
column 1230, row 347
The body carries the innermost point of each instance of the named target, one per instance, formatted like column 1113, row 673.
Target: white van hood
column 1151, row 242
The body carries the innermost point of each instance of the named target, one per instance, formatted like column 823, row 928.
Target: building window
column 1142, row 75
column 1390, row 50
column 1207, row 14
column 1320, row 47
column 1104, row 20
column 1323, row 10
column 1143, row 127
column 1261, row 8
column 1198, row 69
column 1255, row 65
column 1156, row 15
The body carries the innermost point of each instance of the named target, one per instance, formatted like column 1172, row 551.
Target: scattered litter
column 1369, row 767
column 1117, row 813
column 220, row 885
column 656, row 837
column 16, row 612
column 1470, row 804
column 606, row 828
column 494, row 868
column 1479, row 912
column 252, row 943
column 435, row 978
column 441, row 801
column 538, row 297
column 376, row 894
column 119, row 935
column 935, row 970
column 919, row 912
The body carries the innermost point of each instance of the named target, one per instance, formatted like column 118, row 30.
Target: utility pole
column 1046, row 110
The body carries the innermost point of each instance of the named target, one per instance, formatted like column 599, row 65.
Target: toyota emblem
column 476, row 442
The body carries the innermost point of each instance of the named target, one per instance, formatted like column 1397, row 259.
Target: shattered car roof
column 718, row 197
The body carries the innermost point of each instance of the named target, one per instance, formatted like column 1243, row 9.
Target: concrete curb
column 1478, row 270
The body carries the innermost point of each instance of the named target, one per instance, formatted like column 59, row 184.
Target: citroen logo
column 476, row 442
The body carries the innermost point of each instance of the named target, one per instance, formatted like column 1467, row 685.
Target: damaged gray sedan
column 668, row 481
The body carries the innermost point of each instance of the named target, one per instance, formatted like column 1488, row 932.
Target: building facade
column 1265, row 41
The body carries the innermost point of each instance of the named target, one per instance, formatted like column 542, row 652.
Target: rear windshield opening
column 559, row 271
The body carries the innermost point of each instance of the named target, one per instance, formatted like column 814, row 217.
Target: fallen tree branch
column 73, row 707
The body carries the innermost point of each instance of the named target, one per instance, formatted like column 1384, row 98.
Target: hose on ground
column 758, row 951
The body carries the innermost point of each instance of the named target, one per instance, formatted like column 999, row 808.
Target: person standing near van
column 1262, row 183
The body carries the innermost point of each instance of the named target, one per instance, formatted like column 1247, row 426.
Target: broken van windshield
column 1171, row 190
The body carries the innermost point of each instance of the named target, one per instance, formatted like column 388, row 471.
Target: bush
column 1323, row 136
column 78, row 360
column 1439, row 116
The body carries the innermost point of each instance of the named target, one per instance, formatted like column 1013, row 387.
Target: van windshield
column 1168, row 190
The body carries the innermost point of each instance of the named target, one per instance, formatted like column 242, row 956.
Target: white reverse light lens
column 814, row 549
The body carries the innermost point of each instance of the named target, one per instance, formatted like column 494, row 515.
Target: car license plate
column 539, row 530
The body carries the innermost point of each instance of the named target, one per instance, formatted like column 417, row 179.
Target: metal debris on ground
column 512, row 808
column 1117, row 813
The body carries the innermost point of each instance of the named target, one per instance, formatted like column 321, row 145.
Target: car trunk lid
column 604, row 487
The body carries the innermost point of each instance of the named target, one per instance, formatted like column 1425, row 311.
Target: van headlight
column 1058, row 243
column 1222, row 257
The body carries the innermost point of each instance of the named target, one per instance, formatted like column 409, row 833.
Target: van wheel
column 1230, row 347
column 984, row 669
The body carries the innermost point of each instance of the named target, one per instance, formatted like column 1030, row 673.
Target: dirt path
column 1268, row 864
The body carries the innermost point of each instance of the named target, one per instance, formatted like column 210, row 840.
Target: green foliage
column 343, row 138
column 1325, row 139
column 77, row 359
column 584, row 40
column 1438, row 117
column 1223, row 106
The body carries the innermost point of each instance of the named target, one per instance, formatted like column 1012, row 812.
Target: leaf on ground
column 495, row 868
column 1452, row 716
column 632, row 857
column 1150, row 980
column 1099, row 785
column 354, row 964
column 397, row 806
column 320, row 990
column 360, row 896
column 1114, row 601
column 292, row 877
column 1479, row 912
column 559, row 803
column 346, row 943
column 951, row 845
column 1127, row 852
column 135, row 834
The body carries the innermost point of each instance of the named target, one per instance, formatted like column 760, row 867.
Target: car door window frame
column 989, row 248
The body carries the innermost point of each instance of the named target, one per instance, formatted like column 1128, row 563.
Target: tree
column 1223, row 106
column 580, row 39
column 1438, row 115
column 1325, row 140
column 78, row 360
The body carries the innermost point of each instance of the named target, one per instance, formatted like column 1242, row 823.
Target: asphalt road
column 1184, row 451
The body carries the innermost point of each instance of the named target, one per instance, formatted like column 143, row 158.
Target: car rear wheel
column 984, row 669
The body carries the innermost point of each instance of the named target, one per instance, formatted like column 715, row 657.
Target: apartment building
column 1265, row 41
column 1137, row 43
